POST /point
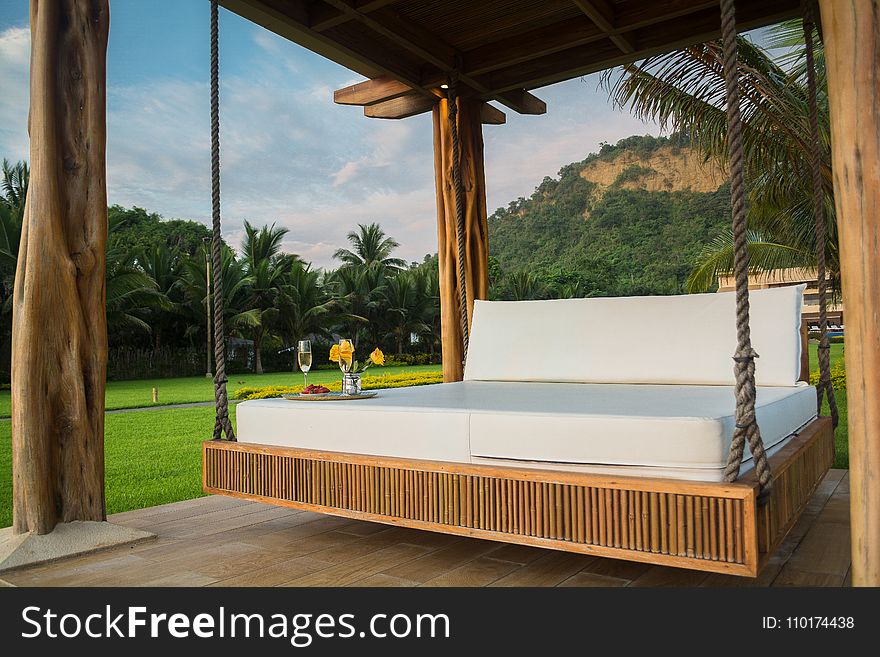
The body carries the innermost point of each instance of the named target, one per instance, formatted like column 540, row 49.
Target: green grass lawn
column 137, row 394
column 154, row 457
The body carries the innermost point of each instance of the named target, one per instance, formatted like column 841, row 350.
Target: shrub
column 413, row 359
column 838, row 377
column 370, row 382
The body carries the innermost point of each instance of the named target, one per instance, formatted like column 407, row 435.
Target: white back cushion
column 687, row 339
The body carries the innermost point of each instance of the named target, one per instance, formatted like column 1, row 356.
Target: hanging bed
column 580, row 426
column 612, row 427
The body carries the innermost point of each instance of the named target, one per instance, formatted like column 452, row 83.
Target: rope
column 824, row 388
column 452, row 103
column 222, row 423
column 744, row 359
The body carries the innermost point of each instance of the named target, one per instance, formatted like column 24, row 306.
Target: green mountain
column 627, row 220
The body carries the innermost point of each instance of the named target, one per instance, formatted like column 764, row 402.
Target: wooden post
column 59, row 334
column 851, row 30
column 477, row 244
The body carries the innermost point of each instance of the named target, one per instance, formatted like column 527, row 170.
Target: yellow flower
column 334, row 353
column 377, row 357
column 346, row 351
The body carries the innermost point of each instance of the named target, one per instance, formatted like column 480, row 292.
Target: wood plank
column 401, row 108
column 548, row 570
column 348, row 572
column 662, row 576
column 584, row 579
column 436, row 563
column 323, row 17
column 601, row 12
column 371, row 92
column 384, row 581
column 482, row 571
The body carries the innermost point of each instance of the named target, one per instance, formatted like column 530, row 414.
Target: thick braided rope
column 458, row 187
column 824, row 387
column 222, row 423
column 744, row 359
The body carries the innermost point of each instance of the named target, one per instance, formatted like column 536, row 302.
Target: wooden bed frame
column 707, row 526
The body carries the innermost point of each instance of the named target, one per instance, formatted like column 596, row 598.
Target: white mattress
column 680, row 431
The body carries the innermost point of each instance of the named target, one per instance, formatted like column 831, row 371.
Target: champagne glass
column 345, row 362
column 304, row 357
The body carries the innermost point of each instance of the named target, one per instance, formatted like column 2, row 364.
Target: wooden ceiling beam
column 491, row 115
column 322, row 16
column 401, row 108
column 601, row 12
column 531, row 45
column 371, row 92
column 436, row 52
column 407, row 106
column 567, row 34
column 657, row 38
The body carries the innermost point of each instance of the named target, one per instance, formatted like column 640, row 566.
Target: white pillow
column 686, row 339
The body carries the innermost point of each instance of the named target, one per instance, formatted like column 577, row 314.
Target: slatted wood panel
column 705, row 526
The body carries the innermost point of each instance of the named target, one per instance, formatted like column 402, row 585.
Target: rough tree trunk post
column 477, row 245
column 59, row 329
column 852, row 51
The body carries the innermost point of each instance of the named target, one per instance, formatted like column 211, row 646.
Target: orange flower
column 377, row 357
column 334, row 353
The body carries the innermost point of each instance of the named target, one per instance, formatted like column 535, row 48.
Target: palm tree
column 370, row 245
column 162, row 266
column 131, row 294
column 304, row 306
column 684, row 91
column 193, row 285
column 524, row 286
column 406, row 306
column 358, row 295
column 432, row 332
column 265, row 265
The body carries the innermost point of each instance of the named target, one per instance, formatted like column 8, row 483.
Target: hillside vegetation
column 627, row 220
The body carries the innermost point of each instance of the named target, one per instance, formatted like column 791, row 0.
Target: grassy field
column 154, row 457
column 137, row 394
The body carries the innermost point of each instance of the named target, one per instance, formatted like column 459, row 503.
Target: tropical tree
column 265, row 266
column 304, row 306
column 370, row 245
column 684, row 91
column 198, row 298
column 162, row 266
column 407, row 307
column 524, row 285
column 131, row 294
column 358, row 292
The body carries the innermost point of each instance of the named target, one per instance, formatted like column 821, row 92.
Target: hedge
column 371, row 382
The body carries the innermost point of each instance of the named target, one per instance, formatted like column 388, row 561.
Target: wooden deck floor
column 216, row 541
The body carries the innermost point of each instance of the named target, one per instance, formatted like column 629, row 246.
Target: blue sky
column 289, row 155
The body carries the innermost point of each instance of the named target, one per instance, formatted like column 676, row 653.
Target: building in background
column 793, row 276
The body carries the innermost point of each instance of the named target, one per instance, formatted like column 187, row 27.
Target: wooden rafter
column 654, row 39
column 403, row 107
column 601, row 12
column 402, row 41
column 371, row 92
column 323, row 16
column 433, row 50
column 571, row 33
